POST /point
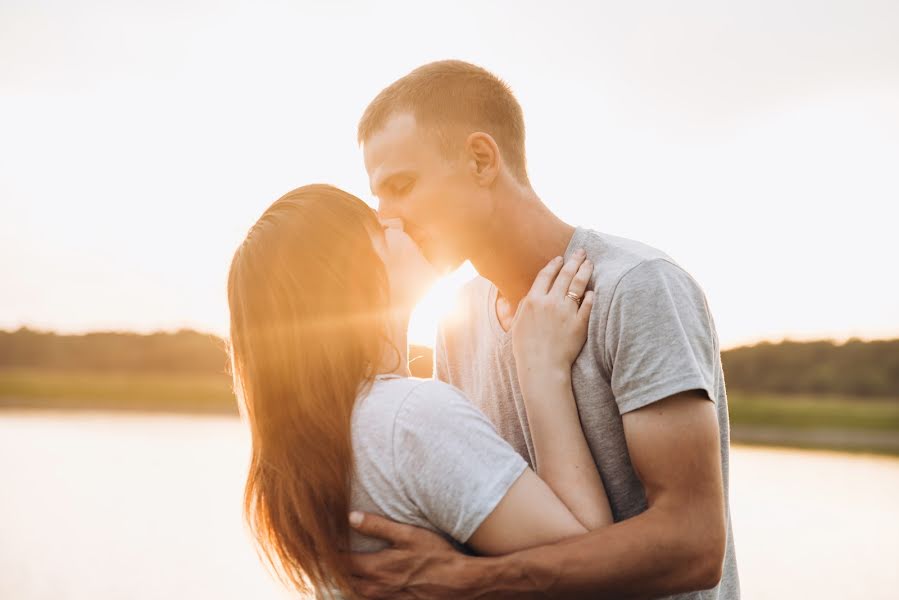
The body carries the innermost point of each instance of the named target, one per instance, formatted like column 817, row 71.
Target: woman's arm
column 568, row 497
column 563, row 458
column 459, row 475
column 529, row 515
column 548, row 334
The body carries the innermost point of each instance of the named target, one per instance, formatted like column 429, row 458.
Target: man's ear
column 483, row 156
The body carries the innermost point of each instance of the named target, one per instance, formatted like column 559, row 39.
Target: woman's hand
column 550, row 327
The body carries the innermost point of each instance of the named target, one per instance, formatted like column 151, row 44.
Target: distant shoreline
column 843, row 440
column 62, row 406
column 841, row 423
column 831, row 439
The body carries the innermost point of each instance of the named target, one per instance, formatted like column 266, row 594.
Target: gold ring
column 577, row 299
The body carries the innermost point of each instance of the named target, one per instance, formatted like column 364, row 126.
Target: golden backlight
column 439, row 303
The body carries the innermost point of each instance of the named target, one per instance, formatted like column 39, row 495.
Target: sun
column 438, row 303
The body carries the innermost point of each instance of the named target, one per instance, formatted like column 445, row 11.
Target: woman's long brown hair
column 308, row 300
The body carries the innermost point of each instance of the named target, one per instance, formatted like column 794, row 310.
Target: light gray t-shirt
column 427, row 457
column 651, row 335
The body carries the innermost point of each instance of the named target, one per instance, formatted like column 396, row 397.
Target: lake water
column 139, row 507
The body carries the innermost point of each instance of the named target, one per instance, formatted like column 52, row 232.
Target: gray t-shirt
column 427, row 457
column 651, row 335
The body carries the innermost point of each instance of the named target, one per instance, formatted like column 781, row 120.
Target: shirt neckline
column 503, row 336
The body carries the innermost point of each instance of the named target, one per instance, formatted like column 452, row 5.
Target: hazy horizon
column 837, row 341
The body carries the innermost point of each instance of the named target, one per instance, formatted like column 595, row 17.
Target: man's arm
column 676, row 545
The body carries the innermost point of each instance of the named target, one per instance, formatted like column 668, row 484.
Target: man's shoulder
column 615, row 257
column 617, row 253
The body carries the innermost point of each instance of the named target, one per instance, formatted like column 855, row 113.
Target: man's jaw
column 442, row 264
column 421, row 239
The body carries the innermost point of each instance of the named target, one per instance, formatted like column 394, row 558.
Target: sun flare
column 437, row 304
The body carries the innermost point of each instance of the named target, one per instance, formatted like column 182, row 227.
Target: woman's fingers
column 583, row 312
column 566, row 275
column 581, row 279
column 545, row 277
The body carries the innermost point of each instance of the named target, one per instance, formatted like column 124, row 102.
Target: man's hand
column 419, row 564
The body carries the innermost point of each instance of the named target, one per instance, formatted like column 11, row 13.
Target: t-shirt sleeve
column 451, row 463
column 660, row 338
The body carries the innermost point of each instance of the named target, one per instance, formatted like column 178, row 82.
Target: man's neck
column 525, row 235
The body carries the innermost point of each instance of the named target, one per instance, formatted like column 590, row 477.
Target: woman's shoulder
column 403, row 388
column 401, row 419
column 412, row 399
column 388, row 394
column 438, row 408
column 425, row 388
column 432, row 395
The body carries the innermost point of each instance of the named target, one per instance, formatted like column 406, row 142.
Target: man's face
column 438, row 201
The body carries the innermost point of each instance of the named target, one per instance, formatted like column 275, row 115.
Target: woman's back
column 426, row 456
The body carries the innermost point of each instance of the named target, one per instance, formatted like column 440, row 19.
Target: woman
column 320, row 295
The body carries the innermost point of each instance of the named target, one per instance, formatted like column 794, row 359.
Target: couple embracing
column 574, row 442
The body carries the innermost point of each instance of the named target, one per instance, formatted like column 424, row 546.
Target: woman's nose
column 391, row 223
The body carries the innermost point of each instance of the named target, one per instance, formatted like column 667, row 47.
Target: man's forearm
column 647, row 556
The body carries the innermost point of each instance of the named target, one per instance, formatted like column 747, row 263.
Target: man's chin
column 434, row 259
column 442, row 262
column 443, row 265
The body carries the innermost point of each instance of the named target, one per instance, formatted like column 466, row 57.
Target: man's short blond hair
column 455, row 98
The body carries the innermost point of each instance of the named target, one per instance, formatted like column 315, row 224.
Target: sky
column 756, row 143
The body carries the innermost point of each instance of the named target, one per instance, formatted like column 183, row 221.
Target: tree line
column 855, row 368
column 184, row 351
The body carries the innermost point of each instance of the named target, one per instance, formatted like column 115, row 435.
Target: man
column 444, row 151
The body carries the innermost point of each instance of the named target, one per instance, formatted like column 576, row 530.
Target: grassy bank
column 814, row 412
column 812, row 421
column 86, row 390
column 836, row 422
